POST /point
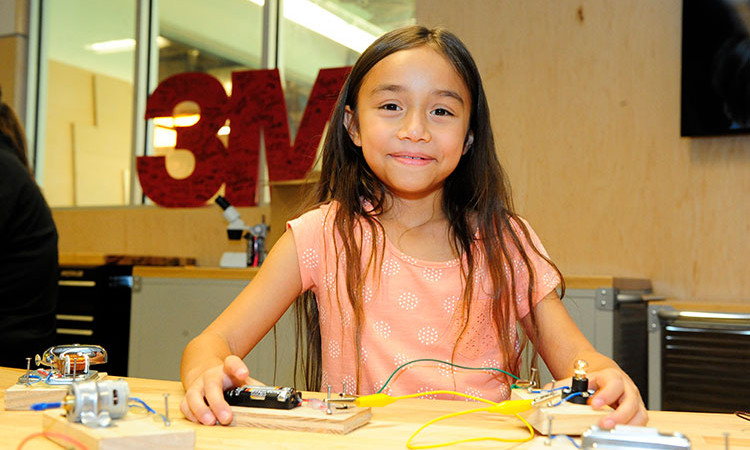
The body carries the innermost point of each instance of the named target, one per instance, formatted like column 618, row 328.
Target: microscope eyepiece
column 224, row 203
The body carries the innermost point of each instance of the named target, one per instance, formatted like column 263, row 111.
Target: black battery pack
column 275, row 397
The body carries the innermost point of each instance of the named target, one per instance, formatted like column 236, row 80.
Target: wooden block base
column 302, row 418
column 20, row 397
column 568, row 418
column 133, row 431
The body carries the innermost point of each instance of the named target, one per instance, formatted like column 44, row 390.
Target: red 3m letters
column 257, row 103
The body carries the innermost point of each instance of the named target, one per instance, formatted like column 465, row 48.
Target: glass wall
column 217, row 38
column 329, row 33
column 85, row 143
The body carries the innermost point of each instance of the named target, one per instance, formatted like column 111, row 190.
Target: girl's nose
column 414, row 128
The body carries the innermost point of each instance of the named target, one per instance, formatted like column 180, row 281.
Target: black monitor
column 715, row 67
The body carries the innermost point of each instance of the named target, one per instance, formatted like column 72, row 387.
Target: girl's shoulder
column 318, row 217
column 524, row 233
column 318, row 211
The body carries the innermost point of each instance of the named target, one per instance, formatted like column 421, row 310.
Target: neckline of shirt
column 395, row 251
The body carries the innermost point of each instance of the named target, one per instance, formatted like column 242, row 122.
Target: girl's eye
column 390, row 107
column 442, row 112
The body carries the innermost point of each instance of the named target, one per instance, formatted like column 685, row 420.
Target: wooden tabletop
column 220, row 273
column 390, row 426
column 596, row 282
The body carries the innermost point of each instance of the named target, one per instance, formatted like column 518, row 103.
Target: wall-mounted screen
column 715, row 67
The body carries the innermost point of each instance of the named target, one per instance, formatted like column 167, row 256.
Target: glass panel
column 89, row 101
column 319, row 34
column 217, row 37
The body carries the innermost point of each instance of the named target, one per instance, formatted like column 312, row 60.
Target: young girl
column 413, row 252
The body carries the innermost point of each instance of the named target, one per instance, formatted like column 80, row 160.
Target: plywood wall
column 14, row 38
column 87, row 144
column 150, row 230
column 13, row 50
column 585, row 99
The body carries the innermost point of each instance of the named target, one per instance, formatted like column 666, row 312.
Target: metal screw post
column 548, row 441
column 28, row 370
column 166, row 409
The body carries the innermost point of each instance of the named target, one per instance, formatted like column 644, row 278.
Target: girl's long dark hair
column 476, row 196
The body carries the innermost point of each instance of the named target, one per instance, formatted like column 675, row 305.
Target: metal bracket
column 137, row 283
column 653, row 316
column 606, row 299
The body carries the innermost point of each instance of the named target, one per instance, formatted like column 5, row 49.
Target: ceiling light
column 182, row 120
column 319, row 20
column 121, row 45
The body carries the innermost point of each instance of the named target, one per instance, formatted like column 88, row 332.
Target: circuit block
column 567, row 418
column 130, row 432
column 20, row 397
column 302, row 419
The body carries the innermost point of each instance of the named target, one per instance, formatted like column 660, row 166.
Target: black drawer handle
column 74, row 317
column 75, row 332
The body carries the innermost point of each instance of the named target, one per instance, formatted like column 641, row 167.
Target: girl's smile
column 414, row 159
column 411, row 120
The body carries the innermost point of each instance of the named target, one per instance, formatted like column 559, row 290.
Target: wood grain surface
column 390, row 426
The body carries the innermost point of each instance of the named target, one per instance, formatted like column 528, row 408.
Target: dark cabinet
column 94, row 308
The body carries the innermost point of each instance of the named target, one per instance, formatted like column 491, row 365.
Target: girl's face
column 411, row 121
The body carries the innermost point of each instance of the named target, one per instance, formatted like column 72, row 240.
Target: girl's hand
column 204, row 398
column 613, row 387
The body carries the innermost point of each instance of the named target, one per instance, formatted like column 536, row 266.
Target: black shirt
column 28, row 263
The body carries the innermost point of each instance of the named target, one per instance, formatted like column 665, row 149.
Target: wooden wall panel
column 585, row 99
column 11, row 49
column 71, row 104
column 149, row 230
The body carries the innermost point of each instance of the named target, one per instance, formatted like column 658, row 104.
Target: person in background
column 412, row 252
column 28, row 252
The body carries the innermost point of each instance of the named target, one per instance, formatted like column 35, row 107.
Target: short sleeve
column 546, row 278
column 309, row 237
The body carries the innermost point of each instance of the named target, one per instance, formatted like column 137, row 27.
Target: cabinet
column 170, row 306
column 698, row 357
column 94, row 308
column 612, row 314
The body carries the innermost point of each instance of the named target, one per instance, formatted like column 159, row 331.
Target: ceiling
column 215, row 34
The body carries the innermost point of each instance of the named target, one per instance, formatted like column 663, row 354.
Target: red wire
column 48, row 435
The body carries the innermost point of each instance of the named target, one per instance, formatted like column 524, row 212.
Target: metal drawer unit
column 94, row 308
column 615, row 322
column 699, row 361
column 614, row 318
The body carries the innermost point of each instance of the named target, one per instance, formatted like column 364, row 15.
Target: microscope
column 236, row 230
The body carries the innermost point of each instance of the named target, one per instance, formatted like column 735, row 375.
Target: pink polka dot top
column 412, row 310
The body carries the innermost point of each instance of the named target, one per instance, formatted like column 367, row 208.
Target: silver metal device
column 632, row 437
column 67, row 364
column 71, row 362
column 96, row 403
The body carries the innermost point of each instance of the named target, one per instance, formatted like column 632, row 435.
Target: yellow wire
column 461, row 441
column 460, row 394
column 461, row 413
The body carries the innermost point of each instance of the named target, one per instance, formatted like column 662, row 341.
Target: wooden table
column 390, row 426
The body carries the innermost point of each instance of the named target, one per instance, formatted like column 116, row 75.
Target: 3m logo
column 257, row 103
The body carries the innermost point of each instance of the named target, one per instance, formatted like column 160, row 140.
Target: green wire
column 441, row 362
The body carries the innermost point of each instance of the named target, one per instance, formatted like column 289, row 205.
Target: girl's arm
column 212, row 361
column 561, row 343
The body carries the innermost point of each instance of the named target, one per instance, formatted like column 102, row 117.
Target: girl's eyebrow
column 387, row 88
column 449, row 93
column 399, row 88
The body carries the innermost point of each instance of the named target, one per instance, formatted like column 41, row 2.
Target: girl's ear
column 350, row 123
column 469, row 141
